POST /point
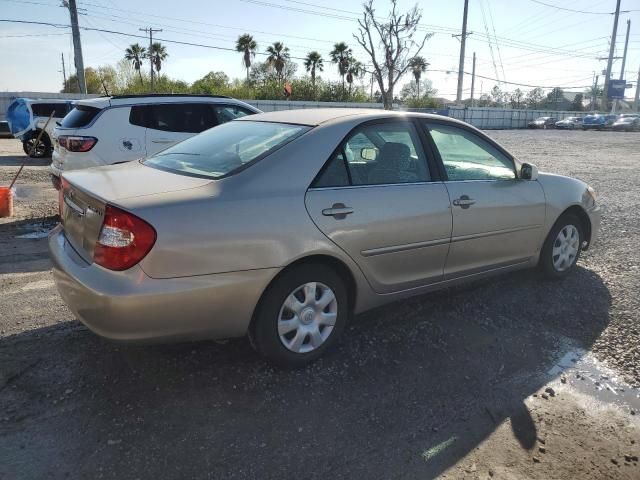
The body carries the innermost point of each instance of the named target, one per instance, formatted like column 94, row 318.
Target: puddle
column 587, row 375
column 36, row 230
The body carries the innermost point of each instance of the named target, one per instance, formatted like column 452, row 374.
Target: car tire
column 288, row 338
column 562, row 247
column 44, row 147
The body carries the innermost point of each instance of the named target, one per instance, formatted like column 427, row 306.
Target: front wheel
column 562, row 247
column 300, row 315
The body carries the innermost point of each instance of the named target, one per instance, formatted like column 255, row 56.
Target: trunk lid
column 86, row 193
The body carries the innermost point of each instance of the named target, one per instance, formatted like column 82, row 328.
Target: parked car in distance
column 107, row 130
column 598, row 122
column 543, row 122
column 627, row 124
column 569, row 123
column 27, row 117
column 282, row 225
column 5, row 131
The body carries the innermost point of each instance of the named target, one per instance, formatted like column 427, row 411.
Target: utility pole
column 473, row 78
column 605, row 96
column 64, row 73
column 635, row 101
column 624, row 55
column 594, row 96
column 463, row 41
column 150, row 32
column 77, row 46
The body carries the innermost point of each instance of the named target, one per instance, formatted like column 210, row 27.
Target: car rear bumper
column 64, row 162
column 131, row 306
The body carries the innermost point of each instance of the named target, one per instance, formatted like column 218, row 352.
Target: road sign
column 616, row 88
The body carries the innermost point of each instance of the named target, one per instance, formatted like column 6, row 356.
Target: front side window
column 224, row 149
column 377, row 154
column 468, row 157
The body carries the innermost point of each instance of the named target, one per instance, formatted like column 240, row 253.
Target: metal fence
column 480, row 117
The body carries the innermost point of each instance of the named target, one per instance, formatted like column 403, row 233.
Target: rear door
column 380, row 200
column 497, row 218
column 170, row 123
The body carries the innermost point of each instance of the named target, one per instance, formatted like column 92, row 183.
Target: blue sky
column 530, row 43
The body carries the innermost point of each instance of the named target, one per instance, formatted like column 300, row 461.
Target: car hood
column 130, row 180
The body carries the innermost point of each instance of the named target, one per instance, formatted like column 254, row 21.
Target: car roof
column 315, row 116
column 119, row 100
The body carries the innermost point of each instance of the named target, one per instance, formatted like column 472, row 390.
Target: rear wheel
column 562, row 247
column 41, row 150
column 300, row 315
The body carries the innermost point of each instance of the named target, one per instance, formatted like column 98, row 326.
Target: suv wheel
column 41, row 150
column 301, row 315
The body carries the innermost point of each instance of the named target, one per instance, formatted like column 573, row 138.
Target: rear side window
column 182, row 117
column 80, row 116
column 45, row 109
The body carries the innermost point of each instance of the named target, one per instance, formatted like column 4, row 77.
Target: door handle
column 337, row 211
column 161, row 140
column 464, row 202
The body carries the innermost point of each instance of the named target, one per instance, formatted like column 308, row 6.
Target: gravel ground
column 448, row 385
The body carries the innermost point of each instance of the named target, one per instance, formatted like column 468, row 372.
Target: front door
column 497, row 218
column 376, row 200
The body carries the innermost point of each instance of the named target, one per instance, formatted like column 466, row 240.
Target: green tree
column 410, row 90
column 278, row 57
column 534, row 98
column 135, row 53
column 354, row 70
column 313, row 62
column 418, row 66
column 340, row 55
column 92, row 79
column 555, row 99
column 247, row 46
column 577, row 104
column 157, row 54
column 516, row 98
column 211, row 83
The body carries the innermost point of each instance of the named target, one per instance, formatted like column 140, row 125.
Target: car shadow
column 18, row 160
column 411, row 389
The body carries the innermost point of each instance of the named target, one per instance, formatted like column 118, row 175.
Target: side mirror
column 368, row 153
column 528, row 171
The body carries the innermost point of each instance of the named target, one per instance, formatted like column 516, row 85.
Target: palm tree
column 418, row 65
column 313, row 62
column 354, row 70
column 135, row 53
column 340, row 55
column 278, row 56
column 247, row 46
column 157, row 54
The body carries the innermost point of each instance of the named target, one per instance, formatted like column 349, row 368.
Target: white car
column 108, row 130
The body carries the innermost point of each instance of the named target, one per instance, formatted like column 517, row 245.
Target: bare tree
column 391, row 44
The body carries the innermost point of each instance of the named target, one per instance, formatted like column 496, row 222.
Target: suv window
column 45, row 109
column 226, row 113
column 384, row 153
column 182, row 117
column 80, row 116
column 468, row 157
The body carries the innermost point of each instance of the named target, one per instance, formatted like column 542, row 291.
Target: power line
column 578, row 11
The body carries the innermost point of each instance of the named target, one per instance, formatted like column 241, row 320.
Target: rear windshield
column 224, row 149
column 80, row 116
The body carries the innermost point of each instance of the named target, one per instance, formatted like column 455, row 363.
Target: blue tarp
column 19, row 116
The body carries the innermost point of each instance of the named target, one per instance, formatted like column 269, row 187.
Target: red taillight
column 77, row 144
column 124, row 240
column 63, row 185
